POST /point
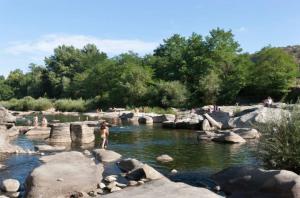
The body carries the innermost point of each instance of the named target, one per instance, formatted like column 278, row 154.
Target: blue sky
column 30, row 29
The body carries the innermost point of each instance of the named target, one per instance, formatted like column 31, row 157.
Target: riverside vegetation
column 181, row 72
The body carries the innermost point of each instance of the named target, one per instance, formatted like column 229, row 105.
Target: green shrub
column 79, row 105
column 279, row 144
column 28, row 104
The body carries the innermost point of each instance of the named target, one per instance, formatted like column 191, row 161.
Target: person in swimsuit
column 35, row 120
column 44, row 122
column 104, row 132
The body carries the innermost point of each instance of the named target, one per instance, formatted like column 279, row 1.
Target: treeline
column 181, row 72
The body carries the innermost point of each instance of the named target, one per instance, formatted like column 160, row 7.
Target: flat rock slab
column 106, row 155
column 164, row 188
column 229, row 137
column 63, row 174
column 38, row 131
column 48, row 148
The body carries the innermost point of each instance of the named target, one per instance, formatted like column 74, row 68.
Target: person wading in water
column 104, row 132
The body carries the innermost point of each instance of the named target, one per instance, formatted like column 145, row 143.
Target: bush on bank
column 28, row 103
column 279, row 144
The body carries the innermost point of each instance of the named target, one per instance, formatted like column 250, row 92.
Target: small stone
column 60, row 179
column 164, row 158
column 111, row 185
column 141, row 182
column 14, row 195
column 92, row 194
column 87, row 152
column 121, row 185
column 132, row 183
column 10, row 185
column 42, row 154
column 174, row 171
column 217, row 188
column 115, row 188
column 99, row 191
column 111, row 178
column 102, row 185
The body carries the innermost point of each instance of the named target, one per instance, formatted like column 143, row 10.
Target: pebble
column 116, row 188
column 174, row 171
column 111, row 178
column 102, row 185
column 132, row 183
column 217, row 188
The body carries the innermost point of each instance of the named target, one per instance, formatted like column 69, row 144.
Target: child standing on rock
column 104, row 132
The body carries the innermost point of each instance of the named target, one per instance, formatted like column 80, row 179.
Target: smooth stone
column 111, row 178
column 229, row 137
column 247, row 133
column 129, row 164
column 164, row 158
column 132, row 183
column 111, row 185
column 115, row 189
column 38, row 131
column 174, row 171
column 10, row 185
column 106, row 155
column 87, row 152
column 48, row 148
column 145, row 171
column 102, row 185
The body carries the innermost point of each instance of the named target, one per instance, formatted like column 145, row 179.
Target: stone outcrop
column 5, row 116
column 48, row 148
column 144, row 172
column 60, row 133
column 38, row 131
column 257, row 116
column 229, row 137
column 247, row 133
column 63, row 174
column 164, row 188
column 145, row 120
column 255, row 182
column 106, row 155
column 82, row 133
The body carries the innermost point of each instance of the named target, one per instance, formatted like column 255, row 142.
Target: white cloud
column 45, row 45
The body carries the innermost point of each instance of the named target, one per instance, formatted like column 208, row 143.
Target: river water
column 195, row 161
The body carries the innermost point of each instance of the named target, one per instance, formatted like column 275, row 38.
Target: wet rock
column 206, row 135
column 60, row 133
column 10, row 185
column 145, row 120
column 174, row 171
column 164, row 158
column 121, row 185
column 106, row 155
column 255, row 182
column 129, row 164
column 169, row 125
column 145, row 171
column 78, row 172
column 115, row 189
column 38, row 131
column 48, row 148
column 229, row 137
column 81, row 133
column 247, row 133
column 164, row 188
column 111, row 178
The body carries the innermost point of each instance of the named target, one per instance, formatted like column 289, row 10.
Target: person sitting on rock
column 104, row 132
column 44, row 122
column 35, row 120
column 268, row 102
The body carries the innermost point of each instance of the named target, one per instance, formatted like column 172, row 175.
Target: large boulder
column 6, row 147
column 10, row 185
column 104, row 155
column 63, row 174
column 129, row 164
column 206, row 126
column 163, row 118
column 60, row 133
column 258, row 116
column 221, row 117
column 5, row 116
column 247, row 133
column 38, row 131
column 81, row 133
column 229, row 137
column 164, row 188
column 255, row 182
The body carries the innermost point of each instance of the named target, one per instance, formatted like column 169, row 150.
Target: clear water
column 195, row 161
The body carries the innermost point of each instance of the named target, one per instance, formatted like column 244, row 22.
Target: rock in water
column 229, row 137
column 164, row 188
column 79, row 174
column 129, row 164
column 145, row 120
column 106, row 155
column 38, row 131
column 81, row 133
column 254, row 182
column 145, row 172
column 60, row 133
column 10, row 185
column 164, row 158
column 247, row 133
column 48, row 148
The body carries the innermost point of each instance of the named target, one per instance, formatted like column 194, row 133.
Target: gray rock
column 145, row 120
column 81, row 133
column 10, row 185
column 247, row 133
column 221, row 117
column 132, row 183
column 5, row 116
column 106, row 155
column 229, row 137
column 115, row 189
column 78, row 172
column 164, row 188
column 48, row 148
column 102, row 185
column 206, row 135
column 38, row 131
column 164, row 158
column 87, row 152
column 111, row 185
column 206, row 126
column 60, row 133
column 145, row 171
column 111, row 178
column 129, row 164
column 255, row 182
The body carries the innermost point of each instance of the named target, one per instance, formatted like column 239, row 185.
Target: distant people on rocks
column 104, row 132
column 44, row 121
column 268, row 102
column 35, row 120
